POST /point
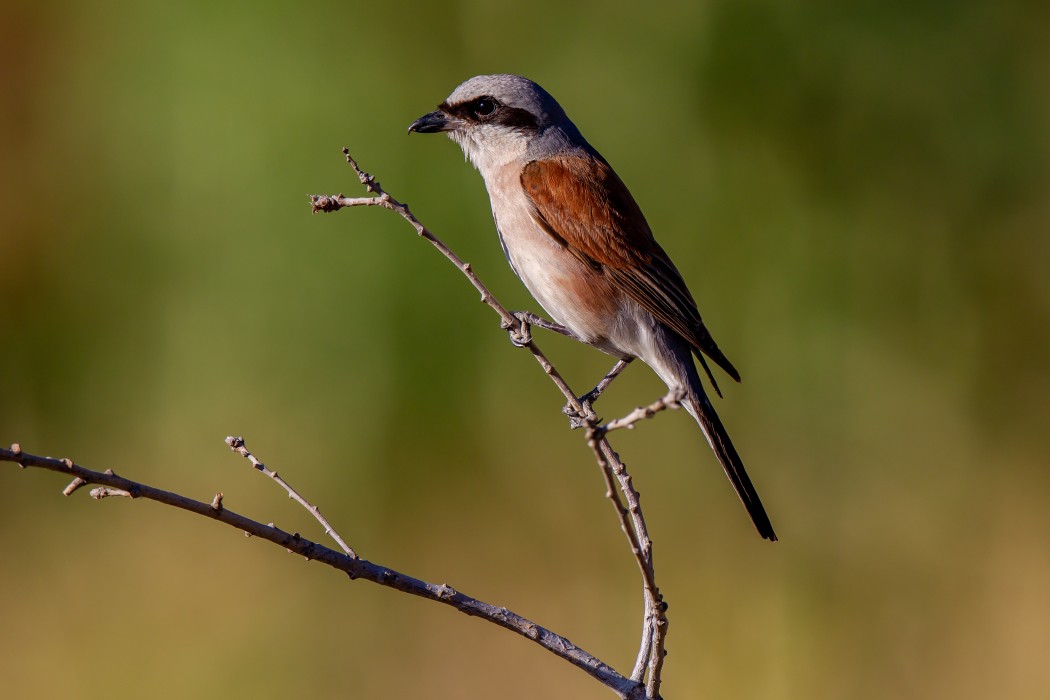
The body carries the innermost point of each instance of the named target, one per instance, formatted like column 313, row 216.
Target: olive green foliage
column 857, row 193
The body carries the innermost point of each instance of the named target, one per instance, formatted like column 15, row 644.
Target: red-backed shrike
column 575, row 236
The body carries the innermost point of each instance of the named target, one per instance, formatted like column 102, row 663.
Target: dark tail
column 701, row 409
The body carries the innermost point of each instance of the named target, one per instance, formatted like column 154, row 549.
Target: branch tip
column 327, row 203
column 73, row 486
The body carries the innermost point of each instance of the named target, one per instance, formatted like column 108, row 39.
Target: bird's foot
column 522, row 335
column 585, row 417
column 521, row 332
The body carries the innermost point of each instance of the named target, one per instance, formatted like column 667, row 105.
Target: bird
column 576, row 238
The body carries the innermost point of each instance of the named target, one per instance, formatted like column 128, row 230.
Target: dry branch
column 237, row 445
column 355, row 567
column 644, row 681
column 632, row 522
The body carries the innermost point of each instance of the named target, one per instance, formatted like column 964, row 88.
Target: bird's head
column 500, row 118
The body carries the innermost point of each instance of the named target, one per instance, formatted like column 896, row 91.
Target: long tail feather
column 699, row 406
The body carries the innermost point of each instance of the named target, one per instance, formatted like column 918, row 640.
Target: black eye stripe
column 513, row 117
column 517, row 118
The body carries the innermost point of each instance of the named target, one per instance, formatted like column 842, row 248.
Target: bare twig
column 237, row 445
column 659, row 650
column 645, row 647
column 644, row 682
column 651, row 655
column 355, row 567
column 508, row 321
column 624, row 513
column 74, row 485
column 642, row 553
column 630, row 517
column 642, row 412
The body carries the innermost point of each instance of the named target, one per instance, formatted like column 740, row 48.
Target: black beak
column 432, row 123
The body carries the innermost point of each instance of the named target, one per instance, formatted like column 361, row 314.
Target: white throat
column 490, row 149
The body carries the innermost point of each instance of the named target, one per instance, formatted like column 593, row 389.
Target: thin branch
column 645, row 648
column 613, row 468
column 508, row 321
column 659, row 650
column 237, row 445
column 670, row 401
column 356, row 568
column 73, row 486
column 651, row 653
column 643, row 557
column 631, row 520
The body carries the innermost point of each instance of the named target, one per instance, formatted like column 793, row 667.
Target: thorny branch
column 632, row 522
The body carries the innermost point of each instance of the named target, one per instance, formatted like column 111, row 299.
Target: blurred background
column 858, row 195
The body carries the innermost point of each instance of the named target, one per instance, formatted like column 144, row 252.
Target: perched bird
column 574, row 235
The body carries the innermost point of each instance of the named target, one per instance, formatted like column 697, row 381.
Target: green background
column 857, row 193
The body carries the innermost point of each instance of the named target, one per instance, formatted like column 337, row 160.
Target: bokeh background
column 858, row 194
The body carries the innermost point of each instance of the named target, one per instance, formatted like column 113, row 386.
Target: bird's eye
column 483, row 107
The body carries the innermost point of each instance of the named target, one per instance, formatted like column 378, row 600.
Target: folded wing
column 583, row 204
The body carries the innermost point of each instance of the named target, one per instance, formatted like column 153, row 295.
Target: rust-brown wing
column 584, row 205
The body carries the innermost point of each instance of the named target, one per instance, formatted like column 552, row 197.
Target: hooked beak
column 433, row 123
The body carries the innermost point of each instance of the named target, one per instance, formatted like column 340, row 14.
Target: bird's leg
column 591, row 396
column 576, row 420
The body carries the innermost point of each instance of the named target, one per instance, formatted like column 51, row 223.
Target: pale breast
column 571, row 291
